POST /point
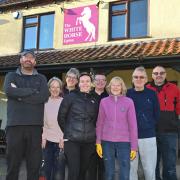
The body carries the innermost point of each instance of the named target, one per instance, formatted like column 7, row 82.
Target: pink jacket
column 117, row 121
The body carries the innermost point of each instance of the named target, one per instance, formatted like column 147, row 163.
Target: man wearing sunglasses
column 169, row 99
column 147, row 115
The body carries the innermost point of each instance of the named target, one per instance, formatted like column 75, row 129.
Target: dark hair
column 99, row 73
column 85, row 74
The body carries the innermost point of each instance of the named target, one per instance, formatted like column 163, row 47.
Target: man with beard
column 169, row 99
column 27, row 92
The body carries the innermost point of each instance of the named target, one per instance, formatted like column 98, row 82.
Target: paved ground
column 22, row 174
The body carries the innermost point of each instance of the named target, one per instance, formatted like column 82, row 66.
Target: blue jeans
column 54, row 161
column 121, row 151
column 166, row 148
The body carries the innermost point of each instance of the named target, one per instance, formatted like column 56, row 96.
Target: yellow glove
column 99, row 150
column 132, row 155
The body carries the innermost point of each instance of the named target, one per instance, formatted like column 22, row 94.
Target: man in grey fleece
column 27, row 92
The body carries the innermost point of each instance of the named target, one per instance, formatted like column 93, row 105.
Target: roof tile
column 143, row 49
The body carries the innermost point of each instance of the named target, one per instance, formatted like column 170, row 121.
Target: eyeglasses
column 139, row 77
column 71, row 77
column 160, row 73
column 100, row 80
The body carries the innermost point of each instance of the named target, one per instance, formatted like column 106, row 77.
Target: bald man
column 167, row 128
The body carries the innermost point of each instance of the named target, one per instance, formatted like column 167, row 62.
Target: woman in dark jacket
column 77, row 118
column 71, row 81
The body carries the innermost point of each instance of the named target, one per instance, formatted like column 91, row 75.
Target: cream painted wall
column 164, row 21
column 10, row 35
column 164, row 18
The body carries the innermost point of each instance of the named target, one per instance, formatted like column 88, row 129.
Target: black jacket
column 99, row 97
column 67, row 92
column 77, row 117
column 26, row 100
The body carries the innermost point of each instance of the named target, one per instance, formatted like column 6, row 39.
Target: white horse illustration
column 89, row 26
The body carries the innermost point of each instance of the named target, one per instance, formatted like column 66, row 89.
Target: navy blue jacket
column 147, row 111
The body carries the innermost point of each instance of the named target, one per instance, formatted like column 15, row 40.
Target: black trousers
column 23, row 141
column 96, row 168
column 78, row 158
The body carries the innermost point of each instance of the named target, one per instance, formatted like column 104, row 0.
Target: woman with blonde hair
column 116, row 130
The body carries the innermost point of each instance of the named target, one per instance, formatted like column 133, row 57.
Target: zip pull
column 165, row 99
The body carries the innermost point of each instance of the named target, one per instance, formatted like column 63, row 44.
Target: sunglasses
column 160, row 73
column 139, row 77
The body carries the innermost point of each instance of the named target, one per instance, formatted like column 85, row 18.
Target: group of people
column 89, row 129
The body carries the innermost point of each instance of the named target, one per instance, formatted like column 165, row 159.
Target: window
column 128, row 19
column 38, row 31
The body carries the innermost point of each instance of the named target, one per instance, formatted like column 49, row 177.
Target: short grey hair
column 141, row 69
column 73, row 71
column 55, row 79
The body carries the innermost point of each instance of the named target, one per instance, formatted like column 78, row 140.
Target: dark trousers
column 96, row 168
column 54, row 161
column 100, row 169
column 166, row 150
column 78, row 158
column 23, row 141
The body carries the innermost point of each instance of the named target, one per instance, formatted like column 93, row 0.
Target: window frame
column 127, row 25
column 37, row 24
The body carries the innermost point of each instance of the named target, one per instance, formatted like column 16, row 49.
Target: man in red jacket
column 167, row 128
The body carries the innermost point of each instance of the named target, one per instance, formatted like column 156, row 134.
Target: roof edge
column 16, row 3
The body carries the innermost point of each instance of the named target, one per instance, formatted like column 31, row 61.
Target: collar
column 116, row 97
column 18, row 71
column 153, row 84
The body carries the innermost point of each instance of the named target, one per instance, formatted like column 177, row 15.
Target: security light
column 16, row 14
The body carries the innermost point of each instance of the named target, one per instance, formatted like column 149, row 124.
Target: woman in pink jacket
column 116, row 130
